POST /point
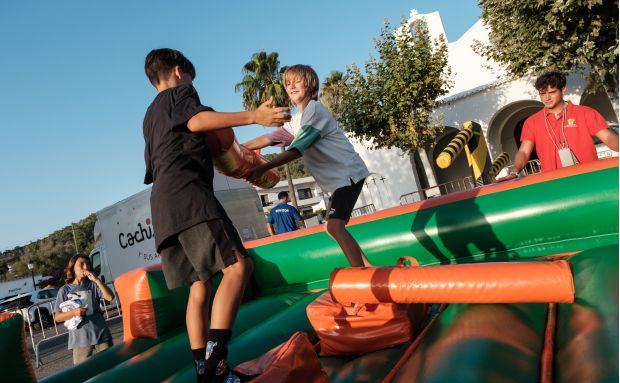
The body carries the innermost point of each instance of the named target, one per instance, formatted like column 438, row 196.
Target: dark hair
column 282, row 194
column 159, row 63
column 69, row 276
column 554, row 79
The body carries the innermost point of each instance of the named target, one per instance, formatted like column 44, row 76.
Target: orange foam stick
column 234, row 160
column 502, row 282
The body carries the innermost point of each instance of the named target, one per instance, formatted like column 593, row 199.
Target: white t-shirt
column 326, row 151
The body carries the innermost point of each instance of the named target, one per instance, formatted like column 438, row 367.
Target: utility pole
column 291, row 187
column 74, row 240
column 31, row 268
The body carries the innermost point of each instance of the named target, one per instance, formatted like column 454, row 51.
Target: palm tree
column 261, row 80
column 332, row 89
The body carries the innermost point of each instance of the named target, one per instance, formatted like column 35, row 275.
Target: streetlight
column 31, row 268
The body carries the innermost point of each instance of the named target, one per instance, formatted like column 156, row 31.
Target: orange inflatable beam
column 502, row 282
column 234, row 160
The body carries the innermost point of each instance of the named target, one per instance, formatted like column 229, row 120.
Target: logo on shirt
column 570, row 123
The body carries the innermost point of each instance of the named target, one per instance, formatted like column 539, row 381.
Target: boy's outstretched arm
column 307, row 136
column 265, row 114
column 283, row 158
column 259, row 142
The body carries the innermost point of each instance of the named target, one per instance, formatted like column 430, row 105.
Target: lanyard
column 551, row 132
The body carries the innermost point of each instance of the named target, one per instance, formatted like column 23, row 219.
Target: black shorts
column 343, row 201
column 200, row 252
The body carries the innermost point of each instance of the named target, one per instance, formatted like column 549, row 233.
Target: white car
column 601, row 149
column 27, row 303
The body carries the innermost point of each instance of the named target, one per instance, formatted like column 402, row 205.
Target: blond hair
column 307, row 74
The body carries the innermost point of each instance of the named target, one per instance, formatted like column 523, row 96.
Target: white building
column 310, row 197
column 479, row 94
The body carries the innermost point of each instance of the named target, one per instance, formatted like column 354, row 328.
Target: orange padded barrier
column 234, row 160
column 503, row 282
column 134, row 293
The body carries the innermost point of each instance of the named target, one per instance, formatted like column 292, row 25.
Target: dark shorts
column 343, row 200
column 200, row 252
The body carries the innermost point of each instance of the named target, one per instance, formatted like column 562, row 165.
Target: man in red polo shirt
column 558, row 126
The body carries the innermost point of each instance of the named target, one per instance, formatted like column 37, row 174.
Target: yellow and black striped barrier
column 499, row 163
column 455, row 146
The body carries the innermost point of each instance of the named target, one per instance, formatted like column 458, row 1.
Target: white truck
column 124, row 237
column 19, row 286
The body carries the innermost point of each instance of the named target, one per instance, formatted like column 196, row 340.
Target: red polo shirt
column 582, row 123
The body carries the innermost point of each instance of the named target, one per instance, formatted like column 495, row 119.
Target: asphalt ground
column 53, row 353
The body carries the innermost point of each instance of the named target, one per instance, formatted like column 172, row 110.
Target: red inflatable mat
column 291, row 362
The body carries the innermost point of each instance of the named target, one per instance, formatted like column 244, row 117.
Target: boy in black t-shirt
column 193, row 234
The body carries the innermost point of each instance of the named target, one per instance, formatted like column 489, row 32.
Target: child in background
column 91, row 335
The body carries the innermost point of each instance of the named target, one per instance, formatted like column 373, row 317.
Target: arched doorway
column 517, row 137
column 504, row 131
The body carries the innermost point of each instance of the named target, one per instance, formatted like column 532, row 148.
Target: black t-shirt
column 179, row 165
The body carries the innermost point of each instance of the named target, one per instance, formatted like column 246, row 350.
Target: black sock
column 200, row 365
column 198, row 354
column 217, row 351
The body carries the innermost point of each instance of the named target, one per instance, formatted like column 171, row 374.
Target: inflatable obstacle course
column 570, row 211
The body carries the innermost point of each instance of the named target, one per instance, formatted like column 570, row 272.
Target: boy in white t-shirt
column 327, row 153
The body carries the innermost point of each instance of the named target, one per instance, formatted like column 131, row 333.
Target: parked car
column 601, row 149
column 23, row 304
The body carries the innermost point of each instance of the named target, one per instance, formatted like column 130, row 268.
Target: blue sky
column 74, row 91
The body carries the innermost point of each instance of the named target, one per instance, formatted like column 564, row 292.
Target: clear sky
column 73, row 90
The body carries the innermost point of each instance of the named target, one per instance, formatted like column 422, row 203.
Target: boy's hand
column 509, row 177
column 267, row 115
column 255, row 174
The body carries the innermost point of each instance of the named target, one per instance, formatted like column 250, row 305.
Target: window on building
column 264, row 199
column 304, row 193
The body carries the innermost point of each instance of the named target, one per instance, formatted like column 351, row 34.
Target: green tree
column 530, row 36
column 391, row 105
column 261, row 80
column 332, row 90
column 50, row 254
column 297, row 168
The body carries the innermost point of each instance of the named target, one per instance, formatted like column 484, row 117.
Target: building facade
column 480, row 93
column 310, row 197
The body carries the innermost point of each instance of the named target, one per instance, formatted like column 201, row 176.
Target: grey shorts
column 200, row 252
column 80, row 354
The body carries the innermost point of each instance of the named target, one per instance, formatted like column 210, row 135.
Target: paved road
column 53, row 353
